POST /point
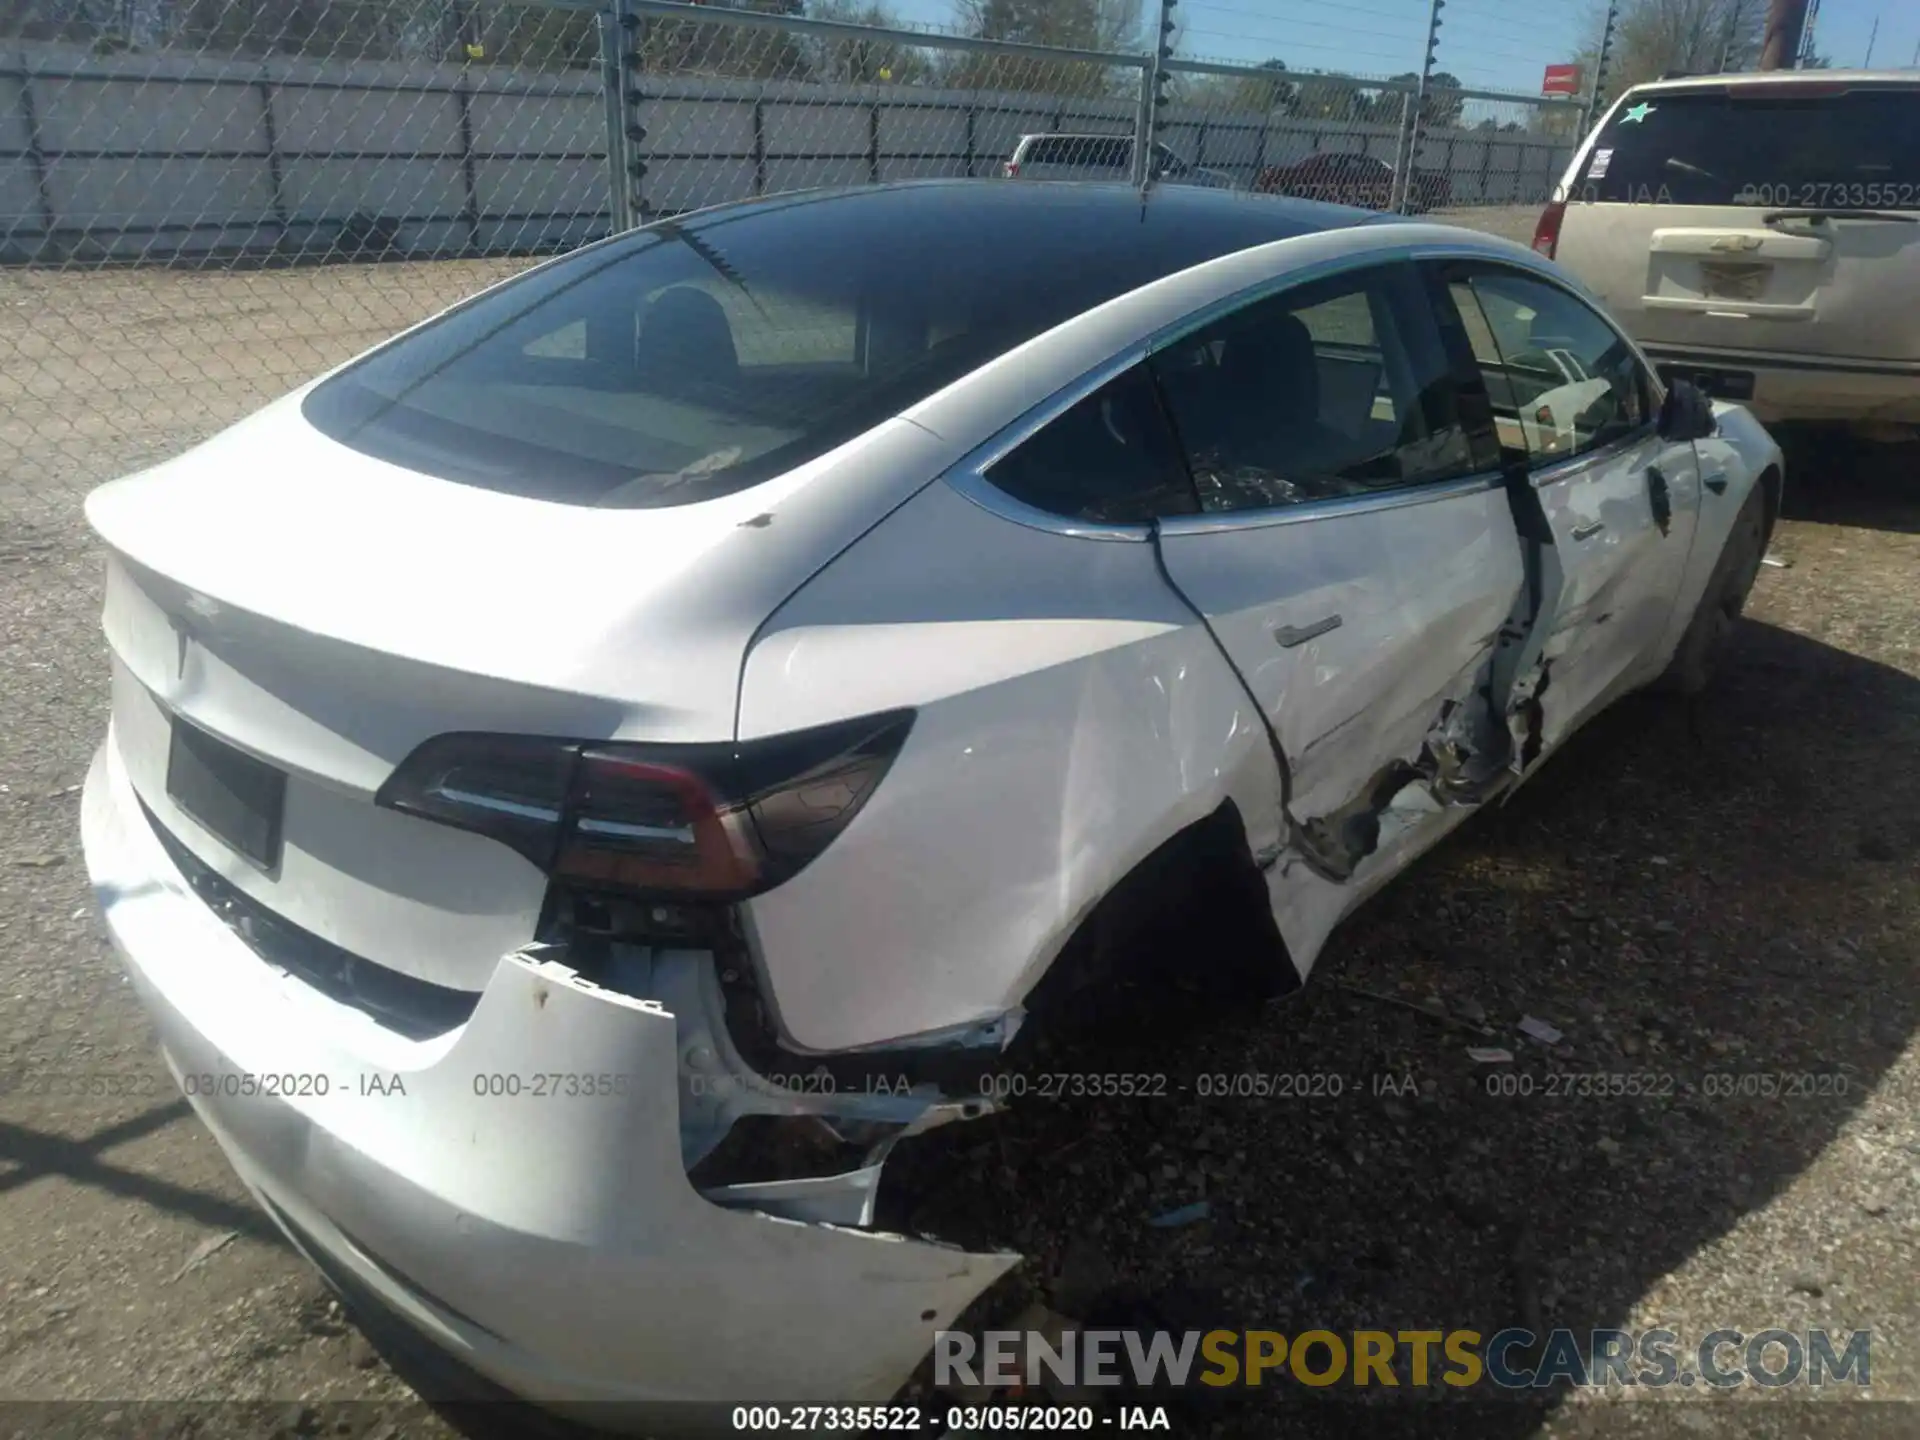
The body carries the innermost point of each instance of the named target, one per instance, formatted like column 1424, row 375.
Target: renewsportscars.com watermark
column 1511, row 1359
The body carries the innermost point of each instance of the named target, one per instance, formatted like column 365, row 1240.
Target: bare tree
column 1661, row 37
column 1109, row 25
column 863, row 61
column 1270, row 92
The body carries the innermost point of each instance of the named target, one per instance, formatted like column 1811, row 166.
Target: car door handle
column 1716, row 482
column 1587, row 532
column 1292, row 635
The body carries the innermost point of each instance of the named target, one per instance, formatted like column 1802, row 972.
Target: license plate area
column 1720, row 384
column 236, row 797
column 1727, row 280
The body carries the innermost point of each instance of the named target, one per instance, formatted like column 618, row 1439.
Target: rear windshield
column 1088, row 152
column 1843, row 148
column 693, row 359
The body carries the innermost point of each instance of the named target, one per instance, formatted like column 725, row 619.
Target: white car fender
column 1072, row 716
column 1732, row 460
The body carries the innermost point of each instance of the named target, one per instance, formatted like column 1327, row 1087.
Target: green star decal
column 1634, row 114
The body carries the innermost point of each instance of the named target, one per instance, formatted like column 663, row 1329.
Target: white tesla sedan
column 589, row 776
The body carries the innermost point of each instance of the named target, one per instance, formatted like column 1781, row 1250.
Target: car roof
column 1782, row 78
column 1132, row 236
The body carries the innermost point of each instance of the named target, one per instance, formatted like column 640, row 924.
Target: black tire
column 1705, row 640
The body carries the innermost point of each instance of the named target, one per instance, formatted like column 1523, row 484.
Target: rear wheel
column 1705, row 640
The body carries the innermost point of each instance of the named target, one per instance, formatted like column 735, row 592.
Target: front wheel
column 1705, row 640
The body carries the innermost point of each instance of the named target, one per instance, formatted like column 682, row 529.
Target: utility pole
column 1872, row 36
column 1806, row 35
column 1600, row 67
column 1781, row 45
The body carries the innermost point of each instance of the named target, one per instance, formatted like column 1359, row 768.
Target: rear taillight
column 1546, row 234
column 715, row 822
column 1010, row 169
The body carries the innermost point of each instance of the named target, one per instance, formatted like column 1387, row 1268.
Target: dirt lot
column 1728, row 894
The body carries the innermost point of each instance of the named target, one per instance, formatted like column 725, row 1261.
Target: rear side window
column 696, row 358
column 1085, row 152
column 1110, row 458
column 1336, row 388
column 1805, row 146
column 1560, row 379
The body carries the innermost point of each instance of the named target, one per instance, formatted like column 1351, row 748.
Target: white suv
column 1760, row 236
column 1101, row 157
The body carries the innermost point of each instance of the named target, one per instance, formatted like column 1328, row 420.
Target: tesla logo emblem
column 1736, row 243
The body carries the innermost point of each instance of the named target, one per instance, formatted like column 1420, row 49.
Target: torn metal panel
column 1425, row 587
column 718, row 1087
column 832, row 1199
column 551, row 1240
column 1462, row 760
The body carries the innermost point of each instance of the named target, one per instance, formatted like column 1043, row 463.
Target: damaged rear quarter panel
column 1072, row 716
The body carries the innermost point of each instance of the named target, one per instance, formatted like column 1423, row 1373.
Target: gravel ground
column 1729, row 893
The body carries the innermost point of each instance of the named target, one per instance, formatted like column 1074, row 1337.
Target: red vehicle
column 1351, row 178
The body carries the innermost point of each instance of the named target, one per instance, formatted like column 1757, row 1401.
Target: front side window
column 1561, row 380
column 1338, row 388
column 1110, row 459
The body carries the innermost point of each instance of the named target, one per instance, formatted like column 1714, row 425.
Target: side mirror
column 1687, row 413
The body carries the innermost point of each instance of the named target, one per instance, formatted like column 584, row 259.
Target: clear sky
column 1491, row 44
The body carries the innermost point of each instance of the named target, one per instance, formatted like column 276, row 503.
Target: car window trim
column 1572, row 467
column 969, row 475
column 1426, row 492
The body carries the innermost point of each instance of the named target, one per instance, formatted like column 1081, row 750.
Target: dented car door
column 1357, row 560
column 1614, row 502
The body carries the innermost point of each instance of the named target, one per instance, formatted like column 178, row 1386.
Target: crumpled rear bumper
column 548, row 1239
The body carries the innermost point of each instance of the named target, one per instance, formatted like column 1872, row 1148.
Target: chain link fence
column 193, row 192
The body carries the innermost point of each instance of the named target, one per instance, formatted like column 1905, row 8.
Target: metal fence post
column 1404, row 188
column 1403, row 152
column 1142, row 128
column 37, row 163
column 613, row 76
column 470, row 189
column 760, row 144
column 275, row 178
column 1153, row 94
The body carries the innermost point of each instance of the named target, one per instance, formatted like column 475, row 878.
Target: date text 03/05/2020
column 952, row 1420
column 378, row 1084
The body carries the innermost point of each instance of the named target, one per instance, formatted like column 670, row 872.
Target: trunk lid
column 325, row 612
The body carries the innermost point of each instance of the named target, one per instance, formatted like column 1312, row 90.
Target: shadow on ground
column 1834, row 479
